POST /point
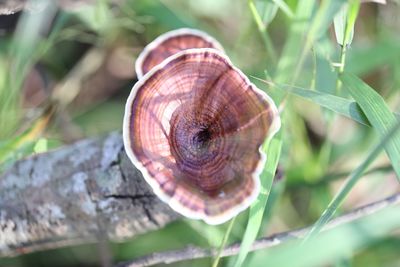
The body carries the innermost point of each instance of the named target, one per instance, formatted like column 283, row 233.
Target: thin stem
column 342, row 58
column 314, row 70
column 223, row 243
column 269, row 47
column 343, row 51
column 331, row 177
column 310, row 37
column 348, row 185
column 263, row 32
column 192, row 252
column 342, row 63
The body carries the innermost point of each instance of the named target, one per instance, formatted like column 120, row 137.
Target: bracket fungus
column 171, row 43
column 194, row 126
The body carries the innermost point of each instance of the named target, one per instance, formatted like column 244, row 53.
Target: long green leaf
column 354, row 8
column 378, row 114
column 337, row 104
column 340, row 105
column 273, row 151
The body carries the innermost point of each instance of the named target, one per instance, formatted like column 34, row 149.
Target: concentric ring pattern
column 171, row 43
column 194, row 126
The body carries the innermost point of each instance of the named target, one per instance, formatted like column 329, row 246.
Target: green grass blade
column 320, row 23
column 335, row 243
column 339, row 24
column 256, row 16
column 352, row 14
column 21, row 55
column 223, row 242
column 348, row 15
column 337, row 104
column 273, row 151
column 351, row 181
column 293, row 48
column 377, row 112
column 284, row 7
column 344, row 22
column 340, row 105
column 262, row 28
column 27, row 36
column 324, row 17
column 270, row 11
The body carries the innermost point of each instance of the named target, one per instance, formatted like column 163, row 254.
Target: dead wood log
column 77, row 194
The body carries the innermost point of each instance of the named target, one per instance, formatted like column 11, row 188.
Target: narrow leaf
column 293, row 45
column 256, row 15
column 344, row 22
column 323, row 19
column 270, row 10
column 257, row 208
column 347, row 239
column 284, row 7
column 318, row 27
column 378, row 114
column 339, row 25
column 355, row 175
column 354, row 7
column 340, row 105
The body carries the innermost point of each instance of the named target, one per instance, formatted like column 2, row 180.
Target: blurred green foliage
column 292, row 47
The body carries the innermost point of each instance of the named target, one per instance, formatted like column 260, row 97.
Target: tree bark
column 81, row 193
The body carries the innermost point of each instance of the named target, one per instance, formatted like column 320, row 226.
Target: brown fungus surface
column 194, row 126
column 171, row 43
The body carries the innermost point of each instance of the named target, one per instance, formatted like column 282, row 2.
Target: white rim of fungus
column 171, row 201
column 169, row 35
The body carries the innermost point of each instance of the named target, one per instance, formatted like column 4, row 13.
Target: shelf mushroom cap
column 194, row 126
column 171, row 43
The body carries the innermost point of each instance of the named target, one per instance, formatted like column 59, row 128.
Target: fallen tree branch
column 81, row 193
column 193, row 252
column 89, row 191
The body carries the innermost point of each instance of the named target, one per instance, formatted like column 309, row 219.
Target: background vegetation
column 65, row 73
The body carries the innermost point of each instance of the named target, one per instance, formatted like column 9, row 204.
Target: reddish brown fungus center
column 202, row 139
column 197, row 149
column 192, row 141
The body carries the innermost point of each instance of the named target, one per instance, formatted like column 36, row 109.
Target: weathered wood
column 77, row 194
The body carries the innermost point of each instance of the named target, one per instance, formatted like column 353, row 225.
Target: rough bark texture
column 80, row 193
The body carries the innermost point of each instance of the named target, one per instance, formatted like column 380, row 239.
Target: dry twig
column 192, row 252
